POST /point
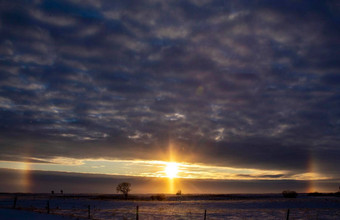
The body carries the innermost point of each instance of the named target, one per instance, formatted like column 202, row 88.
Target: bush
column 315, row 194
column 159, row 197
column 289, row 194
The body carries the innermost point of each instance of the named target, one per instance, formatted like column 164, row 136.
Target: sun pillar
column 171, row 169
column 25, row 182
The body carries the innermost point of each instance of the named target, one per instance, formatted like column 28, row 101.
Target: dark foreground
column 266, row 206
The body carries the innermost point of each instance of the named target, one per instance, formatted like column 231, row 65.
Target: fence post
column 205, row 214
column 137, row 212
column 48, row 207
column 89, row 211
column 287, row 215
column 15, row 202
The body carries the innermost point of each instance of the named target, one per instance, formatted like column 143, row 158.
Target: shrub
column 159, row 197
column 314, row 194
column 289, row 194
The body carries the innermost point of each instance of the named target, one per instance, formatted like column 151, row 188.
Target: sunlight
column 171, row 170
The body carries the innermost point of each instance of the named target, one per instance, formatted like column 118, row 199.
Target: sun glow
column 171, row 170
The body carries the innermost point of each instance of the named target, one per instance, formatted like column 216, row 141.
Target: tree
column 124, row 188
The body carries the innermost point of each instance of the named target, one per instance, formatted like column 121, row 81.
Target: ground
column 173, row 207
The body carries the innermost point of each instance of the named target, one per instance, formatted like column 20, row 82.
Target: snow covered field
column 187, row 207
column 14, row 214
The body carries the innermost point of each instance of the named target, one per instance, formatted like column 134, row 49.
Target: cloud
column 45, row 181
column 251, row 85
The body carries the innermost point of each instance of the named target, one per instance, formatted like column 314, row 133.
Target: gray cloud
column 233, row 83
column 44, row 182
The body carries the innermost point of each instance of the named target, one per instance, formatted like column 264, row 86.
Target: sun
column 171, row 170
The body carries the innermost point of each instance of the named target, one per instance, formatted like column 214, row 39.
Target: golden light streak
column 311, row 174
column 26, row 181
column 26, row 177
column 171, row 168
column 171, row 185
column 160, row 169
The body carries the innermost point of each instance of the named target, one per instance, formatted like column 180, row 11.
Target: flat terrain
column 15, row 214
column 269, row 206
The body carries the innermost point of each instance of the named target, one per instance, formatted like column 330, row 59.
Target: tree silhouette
column 124, row 188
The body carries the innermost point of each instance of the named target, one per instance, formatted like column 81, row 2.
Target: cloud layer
column 233, row 83
column 44, row 182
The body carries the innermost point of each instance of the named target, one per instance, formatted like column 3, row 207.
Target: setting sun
column 171, row 170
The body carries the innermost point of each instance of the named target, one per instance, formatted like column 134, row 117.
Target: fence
column 87, row 208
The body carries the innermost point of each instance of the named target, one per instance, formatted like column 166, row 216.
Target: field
column 266, row 206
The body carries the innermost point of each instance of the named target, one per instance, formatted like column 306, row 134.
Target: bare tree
column 125, row 188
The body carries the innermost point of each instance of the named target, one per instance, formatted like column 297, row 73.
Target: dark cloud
column 237, row 83
column 45, row 181
column 261, row 176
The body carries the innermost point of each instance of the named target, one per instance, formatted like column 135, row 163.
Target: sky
column 244, row 96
